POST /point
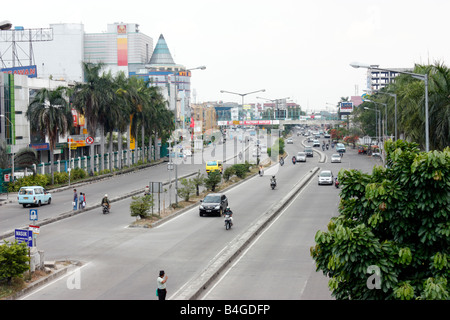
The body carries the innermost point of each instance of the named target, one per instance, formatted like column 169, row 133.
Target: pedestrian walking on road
column 161, row 281
column 81, row 200
column 75, row 199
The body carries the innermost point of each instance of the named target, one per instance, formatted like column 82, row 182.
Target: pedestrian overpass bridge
column 310, row 121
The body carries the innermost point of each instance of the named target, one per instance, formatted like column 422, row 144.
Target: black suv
column 213, row 203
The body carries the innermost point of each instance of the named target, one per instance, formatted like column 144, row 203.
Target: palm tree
column 26, row 158
column 50, row 115
column 439, row 102
column 92, row 99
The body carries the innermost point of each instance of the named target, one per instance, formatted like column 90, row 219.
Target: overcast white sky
column 291, row 48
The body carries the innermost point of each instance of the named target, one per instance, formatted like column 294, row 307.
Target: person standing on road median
column 75, row 199
column 161, row 281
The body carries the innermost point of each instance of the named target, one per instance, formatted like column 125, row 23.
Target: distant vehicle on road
column 289, row 140
column 335, row 158
column 301, row 157
column 33, row 195
column 213, row 203
column 340, row 147
column 309, row 151
column 316, row 143
column 326, row 177
column 214, row 165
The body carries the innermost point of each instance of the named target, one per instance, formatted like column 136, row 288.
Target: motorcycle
column 105, row 209
column 336, row 184
column 228, row 222
column 281, row 162
column 273, row 183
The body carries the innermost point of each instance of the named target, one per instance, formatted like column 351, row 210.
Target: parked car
column 301, row 157
column 213, row 204
column 340, row 147
column 33, row 195
column 316, row 143
column 214, row 165
column 309, row 151
column 325, row 177
column 335, row 158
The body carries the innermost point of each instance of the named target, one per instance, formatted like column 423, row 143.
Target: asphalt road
column 123, row 263
column 120, row 262
column 14, row 216
column 278, row 264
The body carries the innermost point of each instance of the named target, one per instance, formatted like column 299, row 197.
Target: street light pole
column 242, row 96
column 423, row 77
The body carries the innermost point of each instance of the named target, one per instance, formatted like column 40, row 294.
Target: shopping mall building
column 31, row 59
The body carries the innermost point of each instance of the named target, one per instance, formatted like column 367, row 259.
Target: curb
column 197, row 285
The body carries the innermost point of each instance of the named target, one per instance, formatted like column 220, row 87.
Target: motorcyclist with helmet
column 230, row 213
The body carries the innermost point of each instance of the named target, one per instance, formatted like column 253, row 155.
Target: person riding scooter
column 230, row 213
column 293, row 160
column 273, row 182
column 336, row 182
column 105, row 202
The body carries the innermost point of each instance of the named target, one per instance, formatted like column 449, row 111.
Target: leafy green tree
column 141, row 206
column 13, row 260
column 213, row 180
column 228, row 173
column 394, row 222
column 198, row 181
column 187, row 189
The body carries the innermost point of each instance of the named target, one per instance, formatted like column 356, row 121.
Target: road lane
column 278, row 265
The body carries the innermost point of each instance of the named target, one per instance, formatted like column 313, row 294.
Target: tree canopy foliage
column 394, row 221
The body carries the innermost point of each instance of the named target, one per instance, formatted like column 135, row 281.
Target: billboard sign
column 346, row 107
column 29, row 71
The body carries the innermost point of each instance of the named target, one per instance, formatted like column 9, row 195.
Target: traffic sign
column 89, row 140
column 34, row 229
column 33, row 214
column 22, row 235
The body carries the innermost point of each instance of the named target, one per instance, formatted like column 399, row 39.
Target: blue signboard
column 33, row 214
column 22, row 235
column 29, row 71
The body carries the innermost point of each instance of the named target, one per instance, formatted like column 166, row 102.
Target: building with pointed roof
column 161, row 55
column 174, row 79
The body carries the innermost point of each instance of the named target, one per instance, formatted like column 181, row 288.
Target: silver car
column 335, row 158
column 301, row 157
column 325, row 177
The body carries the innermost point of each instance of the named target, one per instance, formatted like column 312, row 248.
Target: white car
column 301, row 157
column 316, row 143
column 335, row 158
column 325, row 177
column 289, row 140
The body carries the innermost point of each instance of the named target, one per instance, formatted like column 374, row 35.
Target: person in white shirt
column 162, row 279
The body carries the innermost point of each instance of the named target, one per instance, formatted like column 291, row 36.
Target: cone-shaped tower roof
column 161, row 55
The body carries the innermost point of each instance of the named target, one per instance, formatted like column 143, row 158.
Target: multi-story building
column 377, row 79
column 122, row 48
